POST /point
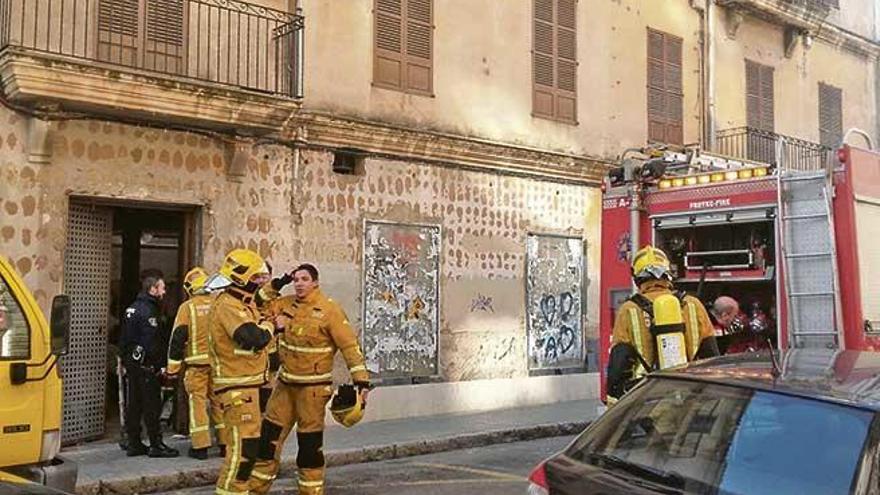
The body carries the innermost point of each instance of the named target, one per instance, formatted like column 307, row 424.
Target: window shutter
column 388, row 62
column 759, row 96
column 554, row 59
column 665, row 114
column 830, row 115
column 165, row 35
column 119, row 31
column 419, row 49
column 543, row 59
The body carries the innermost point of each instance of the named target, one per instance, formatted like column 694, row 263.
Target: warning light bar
column 713, row 177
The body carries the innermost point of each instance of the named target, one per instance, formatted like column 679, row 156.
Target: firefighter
column 189, row 348
column 636, row 338
column 314, row 328
column 143, row 356
column 239, row 363
column 723, row 313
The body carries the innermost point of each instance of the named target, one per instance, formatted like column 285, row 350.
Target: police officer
column 143, row 355
column 314, row 327
column 239, row 363
column 189, row 348
column 634, row 337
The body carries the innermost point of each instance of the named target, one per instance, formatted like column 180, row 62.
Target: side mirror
column 60, row 325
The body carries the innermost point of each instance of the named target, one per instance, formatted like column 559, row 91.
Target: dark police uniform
column 143, row 355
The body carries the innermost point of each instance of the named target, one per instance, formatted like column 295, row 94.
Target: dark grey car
column 799, row 422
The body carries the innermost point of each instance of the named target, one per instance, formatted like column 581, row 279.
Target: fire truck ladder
column 810, row 257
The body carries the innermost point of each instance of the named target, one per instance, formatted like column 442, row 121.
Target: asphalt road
column 492, row 470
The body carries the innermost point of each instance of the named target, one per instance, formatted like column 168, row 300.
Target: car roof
column 847, row 377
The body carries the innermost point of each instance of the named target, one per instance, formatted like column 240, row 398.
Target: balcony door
column 144, row 34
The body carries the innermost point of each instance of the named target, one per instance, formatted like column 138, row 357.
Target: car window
column 730, row 440
column 14, row 332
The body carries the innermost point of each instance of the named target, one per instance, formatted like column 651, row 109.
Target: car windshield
column 708, row 438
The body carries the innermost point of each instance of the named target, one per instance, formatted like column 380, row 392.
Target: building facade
column 439, row 161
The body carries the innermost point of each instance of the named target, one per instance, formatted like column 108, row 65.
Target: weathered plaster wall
column 485, row 218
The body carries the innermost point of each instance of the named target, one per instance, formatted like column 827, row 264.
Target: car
column 802, row 421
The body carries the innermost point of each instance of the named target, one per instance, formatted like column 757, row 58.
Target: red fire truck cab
column 794, row 245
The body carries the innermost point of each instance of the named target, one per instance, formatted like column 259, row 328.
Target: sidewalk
column 104, row 468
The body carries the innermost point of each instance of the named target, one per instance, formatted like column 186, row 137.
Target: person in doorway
column 189, row 349
column 239, row 336
column 634, row 348
column 143, row 357
column 314, row 328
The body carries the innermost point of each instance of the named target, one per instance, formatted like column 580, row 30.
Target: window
column 664, row 88
column 707, row 438
column 554, row 60
column 15, row 342
column 830, row 115
column 403, row 45
column 149, row 34
column 759, row 96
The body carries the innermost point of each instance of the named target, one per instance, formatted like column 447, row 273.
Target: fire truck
column 792, row 237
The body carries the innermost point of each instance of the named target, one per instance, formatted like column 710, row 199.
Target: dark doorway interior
column 145, row 240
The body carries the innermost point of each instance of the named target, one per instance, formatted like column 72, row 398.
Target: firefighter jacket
column 316, row 328
column 632, row 325
column 189, row 337
column 238, row 341
column 142, row 330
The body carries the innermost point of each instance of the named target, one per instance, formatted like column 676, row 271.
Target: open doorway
column 133, row 240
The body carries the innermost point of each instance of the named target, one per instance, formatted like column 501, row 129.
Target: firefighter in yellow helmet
column 188, row 348
column 638, row 335
column 239, row 363
column 315, row 327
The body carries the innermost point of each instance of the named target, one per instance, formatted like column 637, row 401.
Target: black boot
column 223, row 451
column 135, row 448
column 159, row 449
column 200, row 454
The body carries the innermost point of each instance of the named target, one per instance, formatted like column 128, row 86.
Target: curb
column 208, row 476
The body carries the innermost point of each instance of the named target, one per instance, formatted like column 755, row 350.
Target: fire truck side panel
column 616, row 281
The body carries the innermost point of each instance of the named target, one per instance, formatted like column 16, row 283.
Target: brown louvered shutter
column 419, row 49
column 119, row 31
column 830, row 115
column 665, row 92
column 388, row 61
column 165, row 38
column 759, row 96
column 554, row 60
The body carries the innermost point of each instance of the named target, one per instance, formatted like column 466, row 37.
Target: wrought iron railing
column 226, row 42
column 749, row 143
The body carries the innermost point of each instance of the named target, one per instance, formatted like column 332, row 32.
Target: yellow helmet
column 241, row 265
column 194, row 281
column 650, row 262
column 347, row 407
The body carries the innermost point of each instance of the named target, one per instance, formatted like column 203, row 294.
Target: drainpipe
column 709, row 21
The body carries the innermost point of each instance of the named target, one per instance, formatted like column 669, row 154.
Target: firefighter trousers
column 203, row 407
column 302, row 407
column 241, row 415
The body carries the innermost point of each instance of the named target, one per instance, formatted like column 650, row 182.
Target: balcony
column 749, row 143
column 803, row 14
column 209, row 63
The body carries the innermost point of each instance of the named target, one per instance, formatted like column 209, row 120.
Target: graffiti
column 482, row 303
column 401, row 270
column 553, row 290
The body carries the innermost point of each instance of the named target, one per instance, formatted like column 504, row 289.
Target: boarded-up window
column 554, row 60
column 830, row 115
column 665, row 94
column 148, row 34
column 759, row 96
column 403, row 48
